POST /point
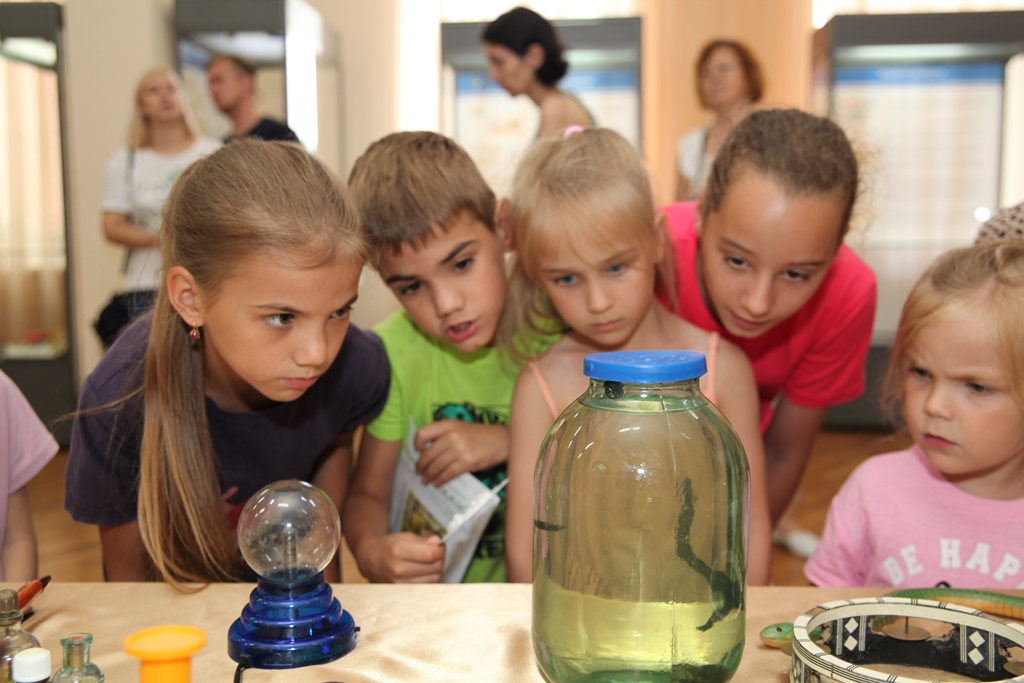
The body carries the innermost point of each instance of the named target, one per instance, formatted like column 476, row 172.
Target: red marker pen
column 30, row 590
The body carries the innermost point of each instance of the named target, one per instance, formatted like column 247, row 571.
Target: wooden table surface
column 441, row 633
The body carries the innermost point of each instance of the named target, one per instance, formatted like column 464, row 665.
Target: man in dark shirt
column 232, row 84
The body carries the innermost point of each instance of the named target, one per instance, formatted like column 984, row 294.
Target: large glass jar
column 640, row 524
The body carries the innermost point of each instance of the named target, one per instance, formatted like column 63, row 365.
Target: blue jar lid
column 645, row 367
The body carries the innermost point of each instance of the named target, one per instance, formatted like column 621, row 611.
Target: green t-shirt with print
column 430, row 381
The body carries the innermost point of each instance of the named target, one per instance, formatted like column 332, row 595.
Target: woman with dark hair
column 729, row 82
column 525, row 57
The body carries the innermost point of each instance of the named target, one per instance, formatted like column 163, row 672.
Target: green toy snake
column 998, row 604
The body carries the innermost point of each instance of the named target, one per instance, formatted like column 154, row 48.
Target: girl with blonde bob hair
column 950, row 507
column 163, row 140
column 989, row 277
column 247, row 371
column 589, row 256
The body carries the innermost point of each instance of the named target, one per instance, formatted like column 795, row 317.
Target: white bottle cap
column 31, row 665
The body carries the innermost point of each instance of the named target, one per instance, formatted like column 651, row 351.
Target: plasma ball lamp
column 288, row 533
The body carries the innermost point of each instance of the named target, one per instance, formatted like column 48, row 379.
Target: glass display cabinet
column 934, row 104
column 35, row 315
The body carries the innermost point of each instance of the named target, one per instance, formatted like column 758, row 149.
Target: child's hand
column 403, row 558
column 449, row 448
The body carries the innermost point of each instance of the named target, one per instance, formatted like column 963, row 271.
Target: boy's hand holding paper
column 457, row 512
column 449, row 448
column 406, row 558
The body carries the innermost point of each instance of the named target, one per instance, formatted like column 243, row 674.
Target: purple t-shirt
column 253, row 449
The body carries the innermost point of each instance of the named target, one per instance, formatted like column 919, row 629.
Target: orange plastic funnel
column 166, row 652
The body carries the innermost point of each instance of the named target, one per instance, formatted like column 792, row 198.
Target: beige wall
column 674, row 31
column 368, row 37
column 111, row 42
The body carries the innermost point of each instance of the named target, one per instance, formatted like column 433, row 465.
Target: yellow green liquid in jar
column 582, row 638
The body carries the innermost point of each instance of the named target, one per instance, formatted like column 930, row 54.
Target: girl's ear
column 534, row 56
column 184, row 295
column 502, row 227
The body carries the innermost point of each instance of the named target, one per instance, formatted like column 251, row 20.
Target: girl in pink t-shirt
column 760, row 259
column 25, row 448
column 951, row 507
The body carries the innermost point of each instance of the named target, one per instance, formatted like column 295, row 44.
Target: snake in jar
column 725, row 588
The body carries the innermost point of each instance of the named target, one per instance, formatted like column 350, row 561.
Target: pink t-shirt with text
column 816, row 357
column 897, row 522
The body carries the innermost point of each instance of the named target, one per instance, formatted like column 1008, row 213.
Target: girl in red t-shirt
column 760, row 259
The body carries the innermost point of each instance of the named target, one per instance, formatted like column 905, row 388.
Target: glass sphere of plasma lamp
column 289, row 531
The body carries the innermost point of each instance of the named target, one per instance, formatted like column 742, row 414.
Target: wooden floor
column 835, row 455
column 70, row 551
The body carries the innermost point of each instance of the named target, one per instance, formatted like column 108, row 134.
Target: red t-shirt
column 816, row 357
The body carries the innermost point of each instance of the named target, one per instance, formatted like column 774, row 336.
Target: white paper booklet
column 458, row 512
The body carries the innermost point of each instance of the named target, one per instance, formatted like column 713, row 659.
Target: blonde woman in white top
column 163, row 140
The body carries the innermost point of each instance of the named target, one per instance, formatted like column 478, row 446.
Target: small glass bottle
column 12, row 639
column 640, row 519
column 31, row 666
column 77, row 667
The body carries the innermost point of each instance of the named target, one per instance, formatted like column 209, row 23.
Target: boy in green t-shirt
column 430, row 219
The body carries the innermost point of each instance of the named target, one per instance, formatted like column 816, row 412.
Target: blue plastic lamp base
column 292, row 624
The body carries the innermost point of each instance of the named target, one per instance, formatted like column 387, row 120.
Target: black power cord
column 244, row 662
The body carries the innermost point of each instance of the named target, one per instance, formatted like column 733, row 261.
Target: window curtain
column 33, row 251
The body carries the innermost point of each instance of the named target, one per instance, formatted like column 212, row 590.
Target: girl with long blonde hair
column 590, row 253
